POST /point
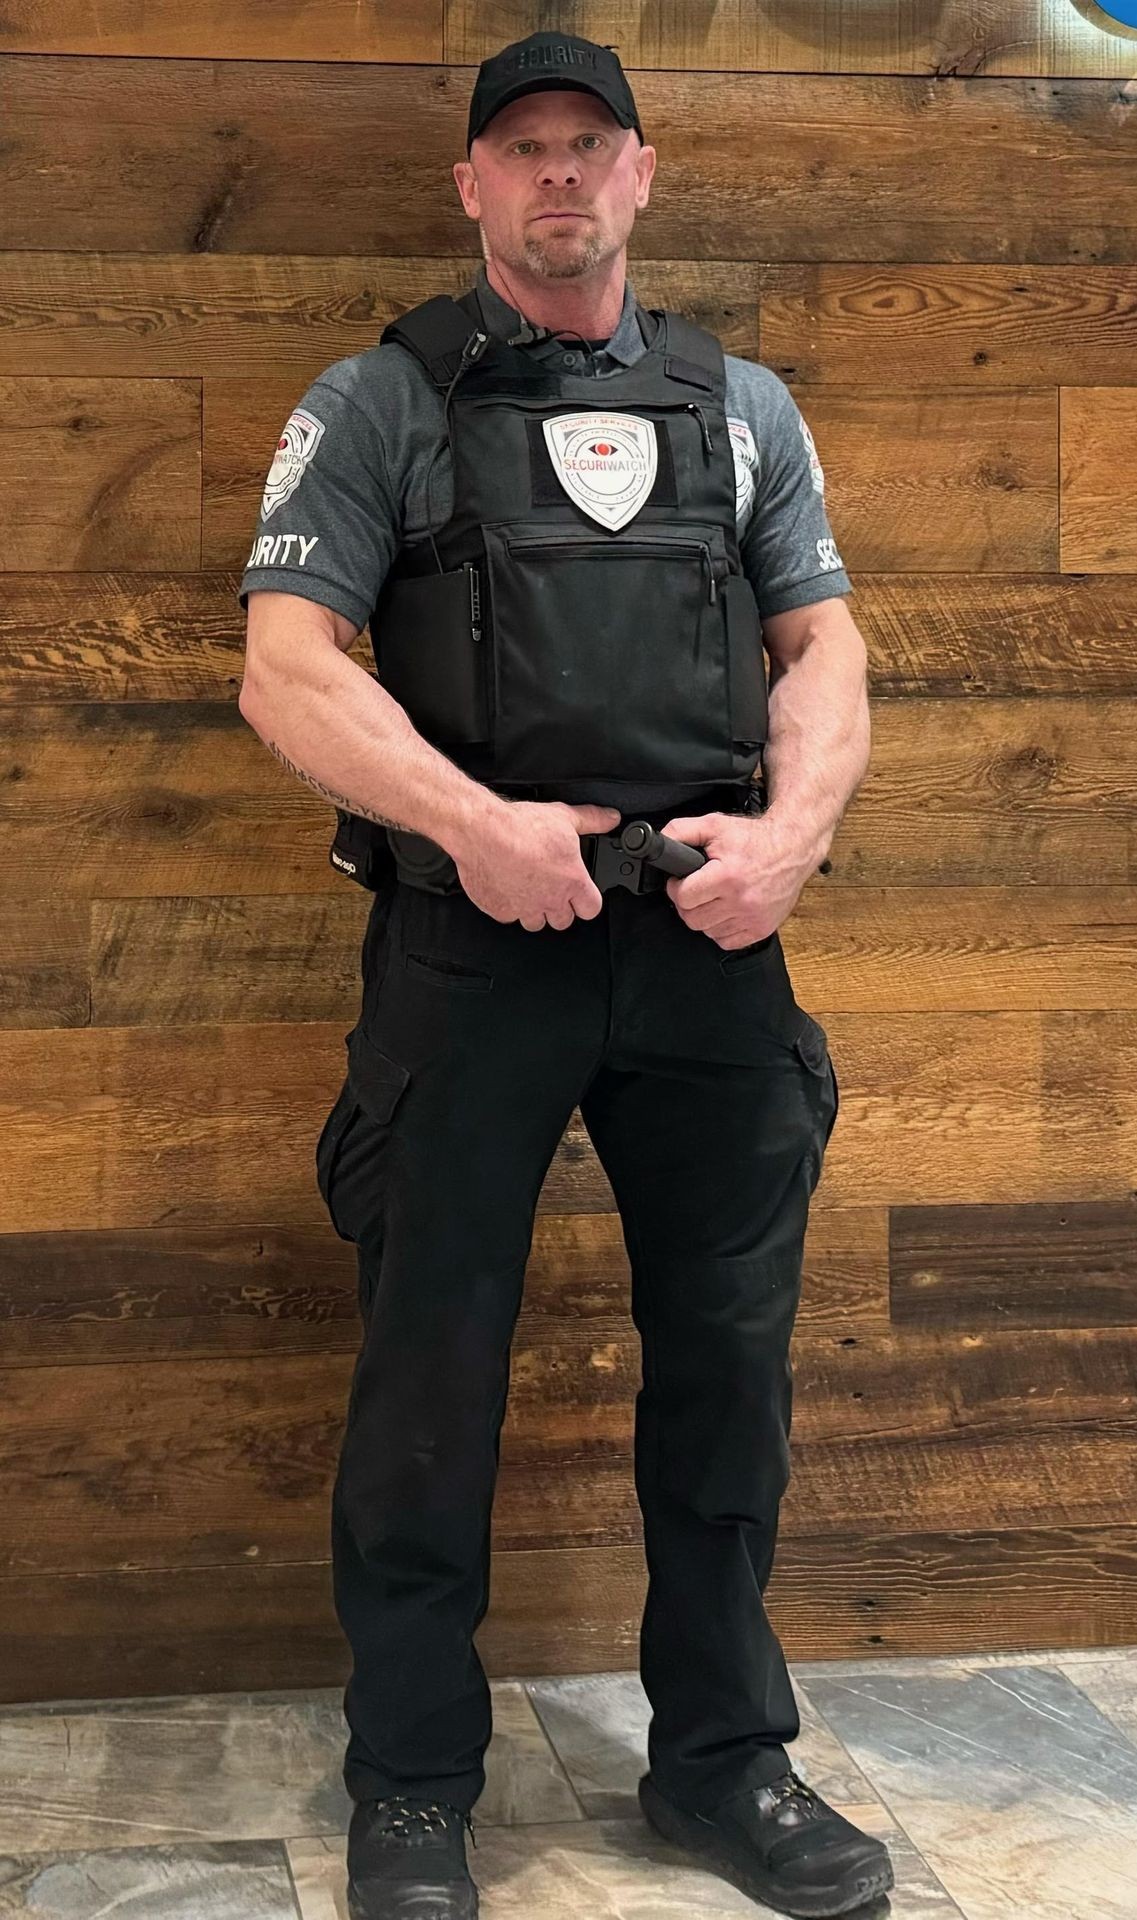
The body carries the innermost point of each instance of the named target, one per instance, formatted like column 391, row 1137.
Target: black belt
column 423, row 863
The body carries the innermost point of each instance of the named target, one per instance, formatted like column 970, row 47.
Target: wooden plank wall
column 923, row 215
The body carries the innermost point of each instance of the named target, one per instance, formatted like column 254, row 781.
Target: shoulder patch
column 745, row 461
column 815, row 472
column 300, row 436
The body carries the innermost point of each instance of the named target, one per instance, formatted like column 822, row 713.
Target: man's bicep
column 329, row 522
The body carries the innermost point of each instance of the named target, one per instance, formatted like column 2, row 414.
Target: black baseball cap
column 550, row 60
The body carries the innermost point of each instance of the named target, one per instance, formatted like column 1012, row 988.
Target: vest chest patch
column 606, row 462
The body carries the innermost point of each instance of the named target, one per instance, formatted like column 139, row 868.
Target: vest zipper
column 701, row 547
column 691, row 406
column 475, row 601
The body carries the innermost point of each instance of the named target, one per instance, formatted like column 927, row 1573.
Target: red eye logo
column 602, row 446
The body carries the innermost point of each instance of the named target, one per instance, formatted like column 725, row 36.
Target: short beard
column 547, row 264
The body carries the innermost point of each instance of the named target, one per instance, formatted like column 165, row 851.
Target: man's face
column 557, row 152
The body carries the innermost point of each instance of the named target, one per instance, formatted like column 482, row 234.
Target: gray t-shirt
column 347, row 484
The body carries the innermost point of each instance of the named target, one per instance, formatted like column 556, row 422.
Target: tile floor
column 1005, row 1786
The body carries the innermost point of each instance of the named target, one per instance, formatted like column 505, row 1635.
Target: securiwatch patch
column 606, row 462
column 300, row 436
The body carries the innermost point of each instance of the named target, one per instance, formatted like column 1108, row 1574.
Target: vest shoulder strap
column 693, row 353
column 437, row 330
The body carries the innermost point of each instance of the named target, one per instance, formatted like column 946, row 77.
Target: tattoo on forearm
column 337, row 799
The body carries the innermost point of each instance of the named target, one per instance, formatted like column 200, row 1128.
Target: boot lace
column 399, row 1813
column 792, row 1787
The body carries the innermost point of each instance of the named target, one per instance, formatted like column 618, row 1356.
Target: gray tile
column 1020, row 1794
column 598, row 1725
column 225, row 1766
column 244, row 1880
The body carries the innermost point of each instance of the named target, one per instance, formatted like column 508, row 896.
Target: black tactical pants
column 709, row 1097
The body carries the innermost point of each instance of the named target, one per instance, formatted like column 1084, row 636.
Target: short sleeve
column 329, row 521
column 787, row 547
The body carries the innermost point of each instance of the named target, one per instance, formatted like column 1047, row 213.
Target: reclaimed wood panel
column 943, row 37
column 909, row 36
column 269, row 317
column 399, row 30
column 100, row 473
column 158, row 798
column 210, row 1126
column 885, row 950
column 1027, row 792
column 1062, row 1265
column 45, row 975
column 931, row 327
column 577, row 1610
column 1099, row 478
column 946, row 481
column 970, row 636
column 156, row 156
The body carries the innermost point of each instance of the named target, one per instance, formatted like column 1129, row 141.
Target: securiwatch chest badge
column 606, row 462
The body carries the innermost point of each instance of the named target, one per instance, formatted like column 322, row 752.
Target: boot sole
column 815, row 1903
column 358, row 1910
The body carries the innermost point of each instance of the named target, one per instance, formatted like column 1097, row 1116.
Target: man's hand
column 750, row 883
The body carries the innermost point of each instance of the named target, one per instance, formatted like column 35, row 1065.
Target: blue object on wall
column 1123, row 11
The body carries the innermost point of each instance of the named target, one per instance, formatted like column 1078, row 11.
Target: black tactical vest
column 580, row 628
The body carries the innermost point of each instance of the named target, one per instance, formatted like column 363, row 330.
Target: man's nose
column 559, row 168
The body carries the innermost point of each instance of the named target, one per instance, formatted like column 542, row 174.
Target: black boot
column 406, row 1860
column 781, row 1844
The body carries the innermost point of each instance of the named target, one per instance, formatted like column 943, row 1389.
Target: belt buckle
column 608, row 865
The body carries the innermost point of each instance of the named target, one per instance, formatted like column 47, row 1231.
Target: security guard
column 570, row 522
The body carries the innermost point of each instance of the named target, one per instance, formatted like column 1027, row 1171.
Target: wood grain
column 236, row 317
column 157, row 156
column 124, row 459
column 1099, row 528
column 932, row 327
column 1067, row 1265
column 577, row 1610
column 945, row 37
column 891, row 36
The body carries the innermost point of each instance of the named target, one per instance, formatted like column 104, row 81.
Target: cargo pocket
column 332, row 1136
column 350, row 1150
column 811, row 1046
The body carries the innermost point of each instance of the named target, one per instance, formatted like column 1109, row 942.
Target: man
column 565, row 514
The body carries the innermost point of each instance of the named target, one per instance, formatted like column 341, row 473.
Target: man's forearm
column 818, row 749
column 330, row 722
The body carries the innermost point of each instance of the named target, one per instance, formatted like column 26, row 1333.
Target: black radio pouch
column 361, row 850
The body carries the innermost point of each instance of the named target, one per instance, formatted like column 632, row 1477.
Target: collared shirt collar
column 624, row 346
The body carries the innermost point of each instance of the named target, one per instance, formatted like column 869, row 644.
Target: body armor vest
column 580, row 628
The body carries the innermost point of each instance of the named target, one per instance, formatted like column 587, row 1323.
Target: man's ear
column 466, row 183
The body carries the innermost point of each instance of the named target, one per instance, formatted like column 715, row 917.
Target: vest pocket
column 609, row 655
column 430, row 654
column 748, row 714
